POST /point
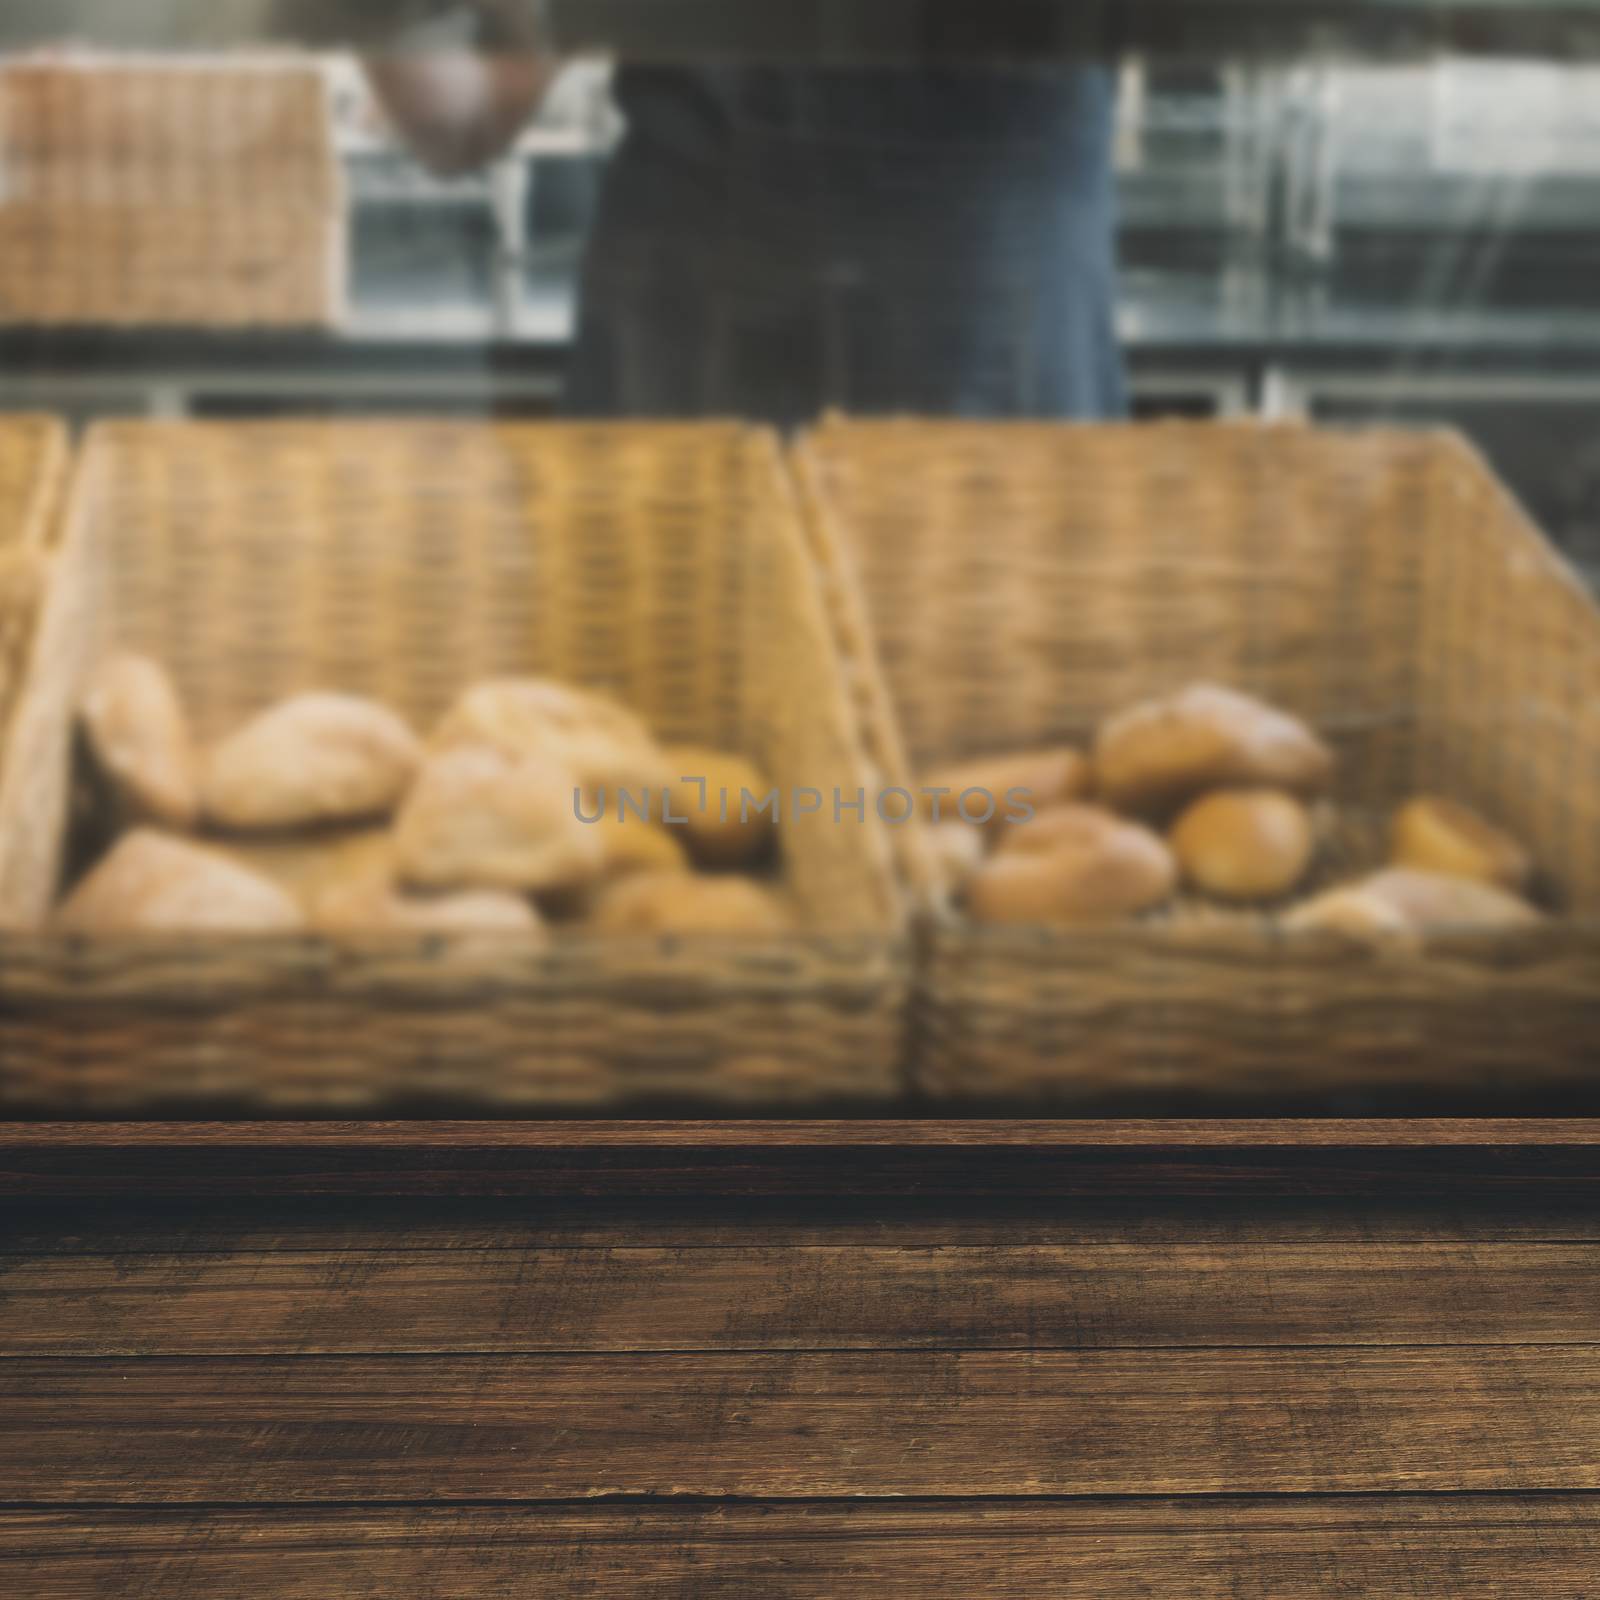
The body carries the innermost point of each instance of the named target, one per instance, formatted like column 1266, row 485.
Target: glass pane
column 730, row 361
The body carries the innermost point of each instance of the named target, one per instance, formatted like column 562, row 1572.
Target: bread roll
column 1244, row 844
column 139, row 737
column 1356, row 912
column 1057, row 827
column 309, row 865
column 1433, row 900
column 587, row 735
column 311, row 759
column 630, row 844
column 956, row 849
column 1439, row 835
column 1155, row 756
column 683, row 903
column 154, row 883
column 1084, row 866
column 344, row 882
column 477, row 819
column 724, row 830
column 376, row 905
column 1043, row 778
column 1405, row 903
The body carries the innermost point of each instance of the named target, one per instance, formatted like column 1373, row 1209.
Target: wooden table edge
column 929, row 1133
column 927, row 1158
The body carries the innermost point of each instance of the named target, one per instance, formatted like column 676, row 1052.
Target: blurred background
column 1299, row 236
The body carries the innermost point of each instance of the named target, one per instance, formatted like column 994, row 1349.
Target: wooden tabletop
column 1230, row 1393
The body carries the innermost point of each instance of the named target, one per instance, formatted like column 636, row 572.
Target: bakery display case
column 1073, row 528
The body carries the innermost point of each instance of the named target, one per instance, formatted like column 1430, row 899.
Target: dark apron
column 771, row 243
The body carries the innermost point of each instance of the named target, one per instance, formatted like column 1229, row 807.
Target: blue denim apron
column 773, row 242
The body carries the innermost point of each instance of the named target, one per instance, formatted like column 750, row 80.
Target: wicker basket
column 33, row 467
column 407, row 560
column 1022, row 581
column 199, row 194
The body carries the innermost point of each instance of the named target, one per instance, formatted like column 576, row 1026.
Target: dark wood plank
column 792, row 1425
column 628, row 1297
column 955, row 1156
column 397, row 1223
column 1485, row 1548
column 729, row 1133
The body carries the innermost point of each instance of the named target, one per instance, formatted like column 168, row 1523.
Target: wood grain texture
column 397, row 1224
column 802, row 1397
column 1501, row 1548
column 798, row 1297
column 822, row 1424
column 957, row 1158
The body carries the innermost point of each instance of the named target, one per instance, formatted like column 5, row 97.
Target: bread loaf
column 311, row 759
column 586, row 735
column 1063, row 827
column 344, row 881
column 1083, row 865
column 957, row 850
column 376, row 905
column 1406, row 903
column 477, row 819
column 1439, row 835
column 1000, row 788
column 709, row 788
column 1434, row 900
column 630, row 844
column 154, row 883
column 1356, row 912
column 1244, row 844
column 1154, row 757
column 139, row 737
column 308, row 865
column 684, row 903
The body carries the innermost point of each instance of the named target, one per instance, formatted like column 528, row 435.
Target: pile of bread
column 329, row 813
column 1212, row 793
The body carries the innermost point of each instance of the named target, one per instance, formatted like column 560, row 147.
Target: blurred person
column 771, row 241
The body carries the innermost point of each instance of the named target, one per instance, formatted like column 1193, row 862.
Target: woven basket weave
column 33, row 467
column 1001, row 586
column 406, row 560
column 169, row 195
